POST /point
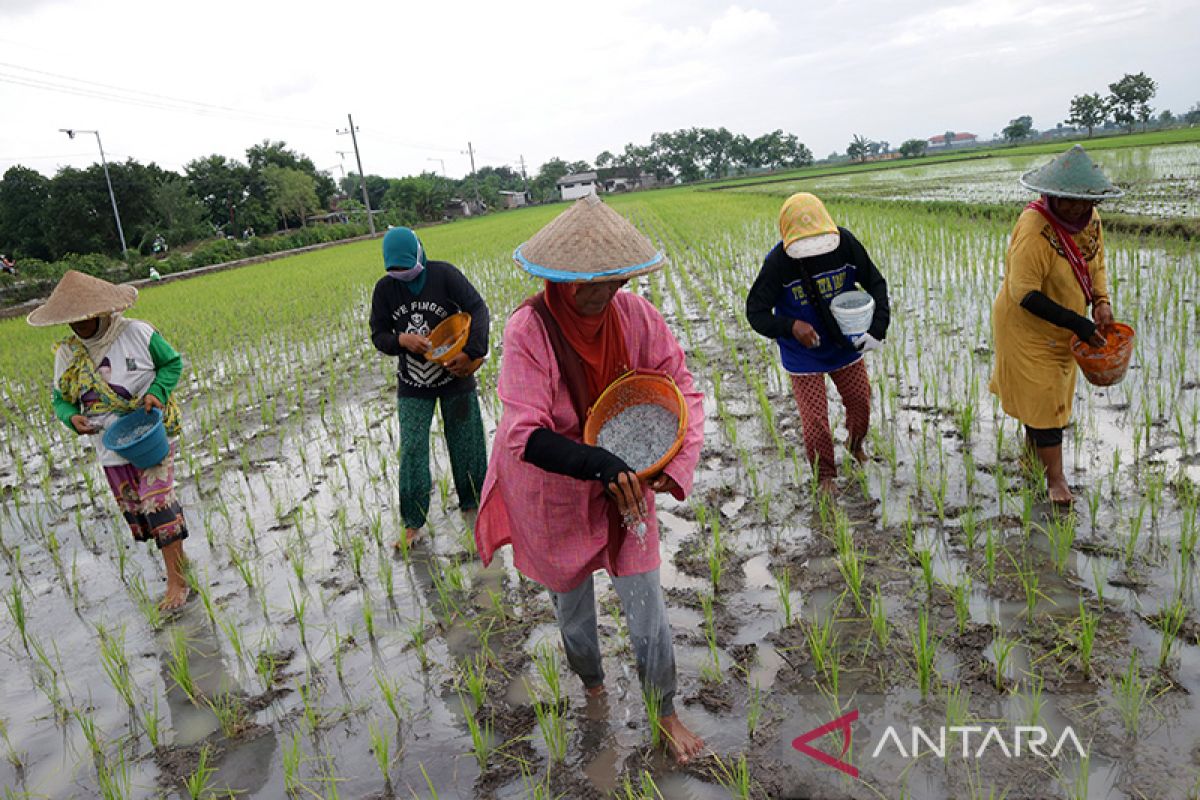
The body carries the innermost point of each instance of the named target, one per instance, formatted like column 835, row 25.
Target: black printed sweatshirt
column 395, row 309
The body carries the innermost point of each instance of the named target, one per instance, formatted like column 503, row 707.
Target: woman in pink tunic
column 565, row 507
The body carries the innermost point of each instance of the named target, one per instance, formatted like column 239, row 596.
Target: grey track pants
column 649, row 632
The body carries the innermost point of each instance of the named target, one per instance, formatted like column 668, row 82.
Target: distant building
column 581, row 184
column 514, row 199
column 959, row 140
column 623, row 179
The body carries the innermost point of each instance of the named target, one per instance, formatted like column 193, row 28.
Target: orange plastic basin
column 1104, row 366
column 635, row 389
column 451, row 334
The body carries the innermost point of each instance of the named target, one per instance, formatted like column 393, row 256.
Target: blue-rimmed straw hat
column 588, row 242
column 1072, row 174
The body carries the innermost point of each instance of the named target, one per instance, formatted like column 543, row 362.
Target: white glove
column 866, row 343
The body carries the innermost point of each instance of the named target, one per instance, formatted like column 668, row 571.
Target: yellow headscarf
column 804, row 220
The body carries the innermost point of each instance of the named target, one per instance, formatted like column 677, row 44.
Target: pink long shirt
column 558, row 526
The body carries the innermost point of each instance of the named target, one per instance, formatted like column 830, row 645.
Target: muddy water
column 1161, row 181
column 319, row 492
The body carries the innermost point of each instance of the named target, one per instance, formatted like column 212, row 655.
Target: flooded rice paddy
column 1161, row 181
column 939, row 589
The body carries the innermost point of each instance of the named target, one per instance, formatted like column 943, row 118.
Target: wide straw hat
column 78, row 297
column 1072, row 174
column 806, row 227
column 588, row 242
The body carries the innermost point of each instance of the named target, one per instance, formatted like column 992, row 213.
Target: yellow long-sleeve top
column 1034, row 372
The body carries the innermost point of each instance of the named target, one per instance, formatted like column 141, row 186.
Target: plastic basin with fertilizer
column 139, row 437
column 853, row 312
column 640, row 418
column 449, row 337
column 1104, row 366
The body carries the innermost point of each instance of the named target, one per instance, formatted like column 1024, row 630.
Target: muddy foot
column 1060, row 493
column 683, row 744
column 410, row 536
column 595, row 691
column 175, row 597
column 829, row 487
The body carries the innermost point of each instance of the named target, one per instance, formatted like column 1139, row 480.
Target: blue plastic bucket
column 140, row 438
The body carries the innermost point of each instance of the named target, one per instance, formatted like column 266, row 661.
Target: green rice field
column 938, row 590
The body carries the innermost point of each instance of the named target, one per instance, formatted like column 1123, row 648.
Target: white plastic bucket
column 853, row 311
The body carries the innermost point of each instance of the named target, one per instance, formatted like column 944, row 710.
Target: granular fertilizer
column 855, row 301
column 640, row 435
column 440, row 351
column 130, row 436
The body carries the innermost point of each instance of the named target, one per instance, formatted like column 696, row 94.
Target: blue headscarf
column 404, row 258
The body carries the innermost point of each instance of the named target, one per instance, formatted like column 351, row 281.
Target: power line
column 161, row 105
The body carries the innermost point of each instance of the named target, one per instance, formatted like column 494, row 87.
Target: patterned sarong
column 147, row 499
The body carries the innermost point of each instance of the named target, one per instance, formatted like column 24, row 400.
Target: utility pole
column 524, row 177
column 70, row 132
column 441, row 161
column 474, row 178
column 362, row 176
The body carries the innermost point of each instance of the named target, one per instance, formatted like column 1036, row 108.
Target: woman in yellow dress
column 1054, row 272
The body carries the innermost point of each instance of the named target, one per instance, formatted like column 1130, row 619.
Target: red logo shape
column 842, row 723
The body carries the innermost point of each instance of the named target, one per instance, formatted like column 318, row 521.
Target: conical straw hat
column 588, row 242
column 1071, row 174
column 78, row 297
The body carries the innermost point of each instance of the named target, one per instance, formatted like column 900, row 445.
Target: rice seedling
column 150, row 721
column 230, row 712
column 711, row 670
column 389, row 691
column 1086, row 638
column 958, row 705
column 200, row 782
column 961, row 592
column 474, row 677
column 16, row 609
column 1002, row 648
column 1169, row 622
column 179, row 666
column 92, row 735
column 292, row 756
column 298, row 609
column 116, row 664
column 368, row 614
column 1130, row 693
column 653, row 703
column 989, row 557
column 481, row 734
column 754, row 711
column 925, row 560
column 553, row 727
column 1060, row 533
column 381, row 749
column 546, row 660
column 783, row 589
column 735, row 777
column 924, row 648
column 850, row 564
column 386, row 578
column 112, row 778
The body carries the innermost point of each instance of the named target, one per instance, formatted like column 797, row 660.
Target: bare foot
column 829, row 487
column 683, row 744
column 859, row 451
column 410, row 536
column 1060, row 493
column 595, row 691
column 175, row 597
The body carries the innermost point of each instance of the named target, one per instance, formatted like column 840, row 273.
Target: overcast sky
column 553, row 77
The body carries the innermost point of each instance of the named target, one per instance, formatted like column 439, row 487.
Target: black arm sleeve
column 556, row 453
column 383, row 334
column 874, row 283
column 760, row 302
column 464, row 295
column 1042, row 306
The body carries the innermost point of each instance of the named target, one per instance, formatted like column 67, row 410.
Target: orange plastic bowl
column 1104, row 366
column 636, row 389
column 449, row 337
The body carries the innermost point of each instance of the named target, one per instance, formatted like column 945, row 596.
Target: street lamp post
column 104, row 163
